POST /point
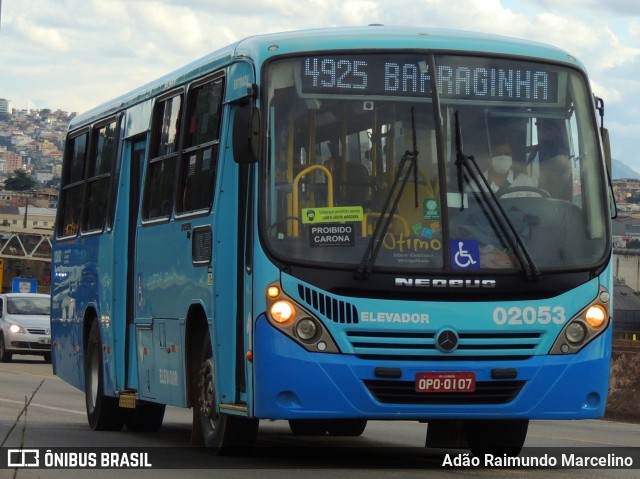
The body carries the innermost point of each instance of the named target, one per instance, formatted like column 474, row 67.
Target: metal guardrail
column 32, row 246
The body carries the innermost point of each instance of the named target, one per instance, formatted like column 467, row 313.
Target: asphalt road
column 56, row 418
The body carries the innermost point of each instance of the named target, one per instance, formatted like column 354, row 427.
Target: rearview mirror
column 246, row 134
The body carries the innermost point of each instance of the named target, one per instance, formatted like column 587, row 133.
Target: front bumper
column 27, row 343
column 291, row 383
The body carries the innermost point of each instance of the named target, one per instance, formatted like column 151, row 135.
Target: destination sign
column 460, row 78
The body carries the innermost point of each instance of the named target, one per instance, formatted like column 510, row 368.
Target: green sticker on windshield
column 336, row 214
column 431, row 209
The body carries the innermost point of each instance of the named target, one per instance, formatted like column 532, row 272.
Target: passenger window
column 72, row 183
column 158, row 196
column 98, row 178
column 200, row 153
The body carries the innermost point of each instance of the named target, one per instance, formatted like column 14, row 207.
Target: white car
column 25, row 325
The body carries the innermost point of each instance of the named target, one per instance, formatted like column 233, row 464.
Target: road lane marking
column 43, row 406
column 12, row 371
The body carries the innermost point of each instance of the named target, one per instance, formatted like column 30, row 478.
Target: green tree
column 20, row 182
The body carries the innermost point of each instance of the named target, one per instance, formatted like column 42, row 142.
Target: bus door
column 138, row 151
column 233, row 220
column 160, row 274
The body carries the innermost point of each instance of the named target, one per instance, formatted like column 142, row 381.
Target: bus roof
column 374, row 37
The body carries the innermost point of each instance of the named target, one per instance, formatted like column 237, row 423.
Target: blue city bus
column 341, row 225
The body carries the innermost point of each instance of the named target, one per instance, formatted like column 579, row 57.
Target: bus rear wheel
column 497, row 437
column 222, row 433
column 103, row 412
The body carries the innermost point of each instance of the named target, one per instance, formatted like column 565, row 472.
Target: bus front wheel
column 103, row 412
column 222, row 433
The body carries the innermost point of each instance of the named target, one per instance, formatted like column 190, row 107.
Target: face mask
column 501, row 164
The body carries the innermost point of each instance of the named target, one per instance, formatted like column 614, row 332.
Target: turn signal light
column 596, row 316
column 282, row 311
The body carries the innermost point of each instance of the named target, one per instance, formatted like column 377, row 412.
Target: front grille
column 333, row 309
column 403, row 392
column 28, row 345
column 37, row 330
column 416, row 346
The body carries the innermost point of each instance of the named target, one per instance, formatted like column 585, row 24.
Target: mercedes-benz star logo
column 447, row 340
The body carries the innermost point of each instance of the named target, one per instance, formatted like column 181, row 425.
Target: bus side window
column 72, row 183
column 158, row 194
column 101, row 162
column 200, row 154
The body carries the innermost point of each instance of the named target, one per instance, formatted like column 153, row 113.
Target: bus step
column 233, row 408
column 127, row 399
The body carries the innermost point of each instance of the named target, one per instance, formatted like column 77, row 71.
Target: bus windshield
column 339, row 126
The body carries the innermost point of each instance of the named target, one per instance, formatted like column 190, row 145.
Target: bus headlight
column 575, row 332
column 291, row 318
column 306, row 329
column 584, row 326
column 282, row 311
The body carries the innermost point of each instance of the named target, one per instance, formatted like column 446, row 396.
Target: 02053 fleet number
column 529, row 315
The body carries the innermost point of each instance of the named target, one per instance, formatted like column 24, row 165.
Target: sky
column 75, row 54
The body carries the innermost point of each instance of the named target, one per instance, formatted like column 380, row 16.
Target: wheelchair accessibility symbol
column 465, row 254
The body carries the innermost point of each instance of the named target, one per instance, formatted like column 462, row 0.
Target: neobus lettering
column 445, row 283
column 415, row 318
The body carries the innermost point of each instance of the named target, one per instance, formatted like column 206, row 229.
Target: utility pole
column 26, row 208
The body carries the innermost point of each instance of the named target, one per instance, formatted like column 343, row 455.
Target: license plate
column 44, row 340
column 449, row 382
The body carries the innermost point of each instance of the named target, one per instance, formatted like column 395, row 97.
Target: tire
column 5, row 356
column 46, row 357
column 146, row 417
column 497, row 437
column 223, row 434
column 103, row 412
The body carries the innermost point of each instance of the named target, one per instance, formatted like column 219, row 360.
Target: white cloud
column 41, row 36
column 74, row 54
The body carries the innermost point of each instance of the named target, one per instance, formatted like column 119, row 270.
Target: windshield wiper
column 400, row 180
column 467, row 164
